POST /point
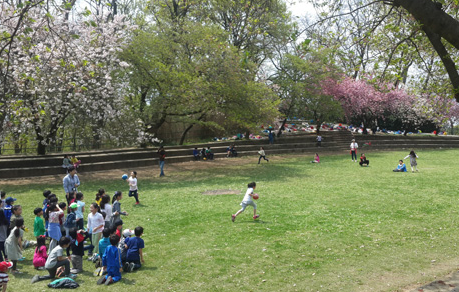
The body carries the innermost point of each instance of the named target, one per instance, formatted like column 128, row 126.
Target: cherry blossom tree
column 60, row 68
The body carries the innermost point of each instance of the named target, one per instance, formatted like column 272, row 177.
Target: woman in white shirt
column 95, row 225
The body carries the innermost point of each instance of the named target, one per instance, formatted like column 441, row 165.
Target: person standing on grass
column 413, row 161
column 162, row 160
column 71, row 182
column 132, row 181
column 319, row 140
column 248, row 201
column 116, row 207
column 354, row 147
column 262, row 155
column 96, row 225
column 13, row 244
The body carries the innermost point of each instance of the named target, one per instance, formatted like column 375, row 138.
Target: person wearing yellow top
column 99, row 196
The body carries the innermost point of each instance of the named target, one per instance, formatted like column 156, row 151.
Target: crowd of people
column 60, row 222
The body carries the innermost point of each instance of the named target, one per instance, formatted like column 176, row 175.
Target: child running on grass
column 262, row 155
column 413, row 161
column 132, row 181
column 248, row 201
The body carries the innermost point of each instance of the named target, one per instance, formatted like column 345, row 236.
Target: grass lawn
column 328, row 227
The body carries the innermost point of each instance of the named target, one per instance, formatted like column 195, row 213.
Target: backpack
column 69, row 220
column 64, row 283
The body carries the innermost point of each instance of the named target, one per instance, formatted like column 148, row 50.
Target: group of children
column 70, row 162
column 203, row 154
column 107, row 245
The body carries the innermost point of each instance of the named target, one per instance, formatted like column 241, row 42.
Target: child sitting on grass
column 316, row 159
column 248, row 201
column 134, row 255
column 40, row 256
column 55, row 260
column 111, row 261
column 401, row 167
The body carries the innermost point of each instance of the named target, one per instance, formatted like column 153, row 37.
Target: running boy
column 248, row 201
column 132, row 181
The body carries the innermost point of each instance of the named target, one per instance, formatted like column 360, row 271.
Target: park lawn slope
column 332, row 226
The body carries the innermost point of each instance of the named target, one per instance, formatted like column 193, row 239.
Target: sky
column 301, row 8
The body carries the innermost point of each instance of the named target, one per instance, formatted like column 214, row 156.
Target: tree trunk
column 279, row 133
column 182, row 138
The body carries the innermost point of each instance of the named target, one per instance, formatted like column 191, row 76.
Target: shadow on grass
column 233, row 175
column 22, row 275
column 127, row 281
column 253, row 222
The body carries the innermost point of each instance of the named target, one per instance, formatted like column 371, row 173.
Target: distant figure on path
column 319, row 141
column 162, row 160
column 354, row 147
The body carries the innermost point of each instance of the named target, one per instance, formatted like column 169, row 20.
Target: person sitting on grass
column 196, row 154
column 111, row 261
column 401, row 167
column 364, row 160
column 134, row 255
column 40, row 256
column 316, row 159
column 55, row 260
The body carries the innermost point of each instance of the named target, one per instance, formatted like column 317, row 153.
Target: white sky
column 301, row 8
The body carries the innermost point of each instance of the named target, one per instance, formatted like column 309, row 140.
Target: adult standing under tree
column 71, row 182
column 354, row 147
column 162, row 159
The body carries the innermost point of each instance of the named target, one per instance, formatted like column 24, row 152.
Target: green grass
column 328, row 227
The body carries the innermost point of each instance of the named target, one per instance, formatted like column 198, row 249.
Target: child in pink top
column 316, row 159
column 40, row 255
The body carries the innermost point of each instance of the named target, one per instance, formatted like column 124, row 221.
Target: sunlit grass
column 328, row 227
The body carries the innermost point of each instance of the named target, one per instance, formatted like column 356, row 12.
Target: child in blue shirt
column 401, row 167
column 134, row 255
column 111, row 261
column 105, row 241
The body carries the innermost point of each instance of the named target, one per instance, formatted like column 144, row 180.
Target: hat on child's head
column 10, row 200
column 5, row 265
column 128, row 232
column 73, row 206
